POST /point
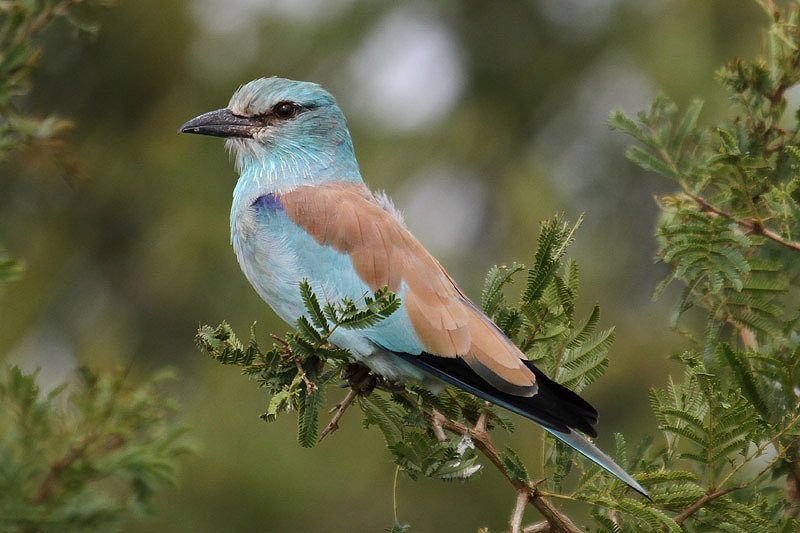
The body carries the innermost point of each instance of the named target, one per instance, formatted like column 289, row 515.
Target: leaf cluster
column 85, row 454
column 543, row 324
column 297, row 368
column 730, row 239
column 21, row 22
column 80, row 456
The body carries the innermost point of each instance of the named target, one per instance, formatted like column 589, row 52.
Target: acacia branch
column 689, row 511
column 558, row 521
column 51, row 480
column 538, row 527
column 755, row 227
column 793, row 489
column 341, row 407
column 519, row 510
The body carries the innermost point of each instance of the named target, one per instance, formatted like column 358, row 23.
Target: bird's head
column 275, row 123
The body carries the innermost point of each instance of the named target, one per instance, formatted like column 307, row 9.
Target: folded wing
column 383, row 253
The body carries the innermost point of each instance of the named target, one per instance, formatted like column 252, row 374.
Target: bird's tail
column 596, row 455
column 556, row 408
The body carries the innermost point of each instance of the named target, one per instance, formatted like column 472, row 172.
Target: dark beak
column 222, row 123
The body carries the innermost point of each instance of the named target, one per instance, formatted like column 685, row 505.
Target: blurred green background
column 480, row 118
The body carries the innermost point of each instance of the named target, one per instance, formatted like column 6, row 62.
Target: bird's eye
column 285, row 110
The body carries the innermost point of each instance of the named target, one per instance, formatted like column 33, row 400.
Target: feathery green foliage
column 84, row 455
column 294, row 370
column 543, row 324
column 80, row 456
column 730, row 239
column 20, row 23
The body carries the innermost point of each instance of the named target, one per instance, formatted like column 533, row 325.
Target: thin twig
column 793, row 490
column 689, row 511
column 49, row 484
column 755, row 227
column 436, row 425
column 538, row 527
column 483, row 441
column 519, row 510
column 48, row 14
column 279, row 339
column 285, row 348
column 310, row 385
column 394, row 493
column 341, row 407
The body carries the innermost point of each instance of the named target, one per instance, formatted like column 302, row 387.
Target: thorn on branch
column 483, row 441
column 361, row 382
column 436, row 424
column 480, row 424
column 538, row 527
column 341, row 407
column 755, row 227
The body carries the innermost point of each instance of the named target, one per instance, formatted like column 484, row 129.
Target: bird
column 301, row 211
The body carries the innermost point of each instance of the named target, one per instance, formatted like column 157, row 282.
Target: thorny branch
column 755, row 227
column 538, row 527
column 555, row 520
column 689, row 511
column 526, row 492
column 51, row 480
column 341, row 407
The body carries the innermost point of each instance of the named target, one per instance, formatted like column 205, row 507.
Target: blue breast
column 268, row 201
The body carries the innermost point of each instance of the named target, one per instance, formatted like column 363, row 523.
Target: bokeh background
column 479, row 117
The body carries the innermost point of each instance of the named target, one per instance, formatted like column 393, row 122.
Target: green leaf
column 496, row 279
column 313, row 310
column 685, row 127
column 304, row 327
column 379, row 412
column 308, row 405
column 514, row 466
column 554, row 238
column 581, row 333
column 649, row 161
column 729, row 143
column 743, row 372
column 620, row 121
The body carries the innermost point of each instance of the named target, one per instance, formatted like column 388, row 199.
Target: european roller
column 302, row 211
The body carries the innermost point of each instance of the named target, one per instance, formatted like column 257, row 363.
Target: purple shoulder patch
column 268, row 201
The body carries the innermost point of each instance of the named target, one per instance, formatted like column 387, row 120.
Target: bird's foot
column 359, row 378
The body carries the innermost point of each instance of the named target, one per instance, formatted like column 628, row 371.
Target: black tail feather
column 553, row 406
